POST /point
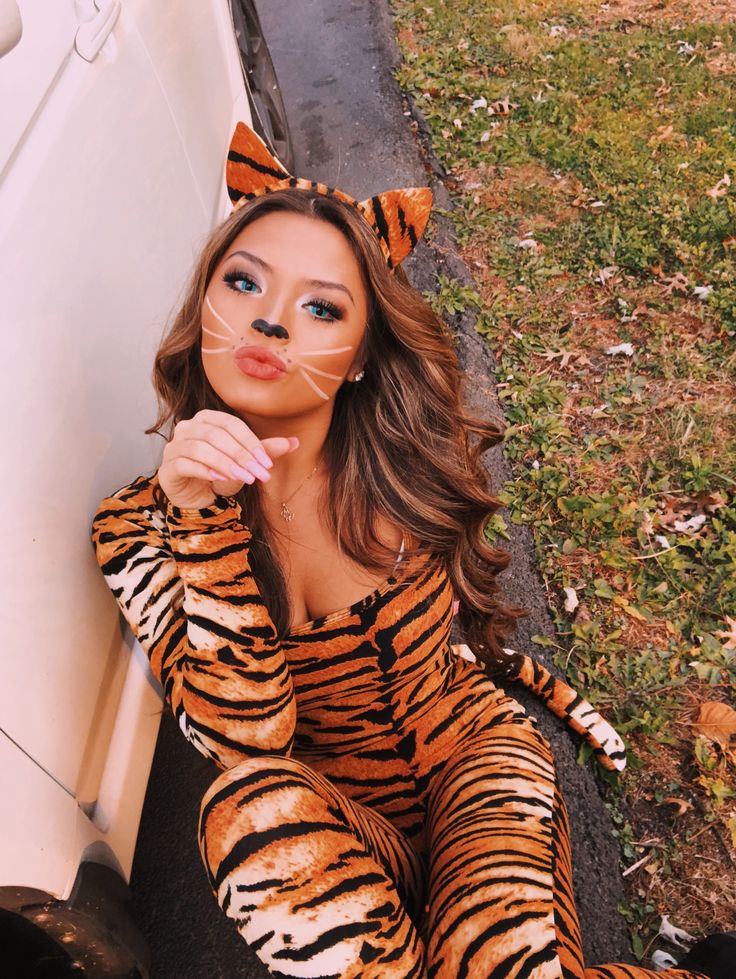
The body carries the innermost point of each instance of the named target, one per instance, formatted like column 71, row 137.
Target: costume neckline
column 349, row 609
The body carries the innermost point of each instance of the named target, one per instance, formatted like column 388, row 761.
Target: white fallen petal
column 663, row 960
column 694, row 523
column 464, row 652
column 528, row 243
column 480, row 103
column 457, row 123
column 535, row 464
column 702, row 292
column 485, row 136
column 662, row 540
column 673, row 934
column 607, row 273
column 621, row 348
column 571, row 599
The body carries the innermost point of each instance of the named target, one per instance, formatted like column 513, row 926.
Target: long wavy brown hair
column 400, row 445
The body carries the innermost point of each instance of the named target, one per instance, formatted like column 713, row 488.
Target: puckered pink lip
column 259, row 354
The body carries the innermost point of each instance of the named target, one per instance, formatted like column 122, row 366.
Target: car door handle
column 92, row 35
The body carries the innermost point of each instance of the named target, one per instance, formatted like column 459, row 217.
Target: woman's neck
column 290, row 469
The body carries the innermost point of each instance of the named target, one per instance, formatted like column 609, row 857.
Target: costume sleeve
column 184, row 584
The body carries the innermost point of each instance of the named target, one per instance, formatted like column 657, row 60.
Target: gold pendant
column 286, row 513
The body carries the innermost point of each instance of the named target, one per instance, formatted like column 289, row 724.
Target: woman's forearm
column 185, row 586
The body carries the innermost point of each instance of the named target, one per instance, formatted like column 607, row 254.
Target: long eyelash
column 237, row 275
column 334, row 311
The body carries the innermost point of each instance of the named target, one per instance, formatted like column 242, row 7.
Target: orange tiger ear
column 399, row 218
column 250, row 165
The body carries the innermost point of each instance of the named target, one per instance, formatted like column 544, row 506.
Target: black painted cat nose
column 270, row 329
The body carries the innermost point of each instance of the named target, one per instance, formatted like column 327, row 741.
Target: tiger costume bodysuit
column 384, row 810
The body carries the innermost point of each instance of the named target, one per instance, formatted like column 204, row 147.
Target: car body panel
column 101, row 219
column 82, row 319
column 42, row 832
column 195, row 85
column 45, row 46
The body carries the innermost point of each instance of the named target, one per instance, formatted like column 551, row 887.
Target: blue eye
column 323, row 310
column 240, row 281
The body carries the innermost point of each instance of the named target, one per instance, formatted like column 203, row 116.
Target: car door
column 195, row 56
column 100, row 216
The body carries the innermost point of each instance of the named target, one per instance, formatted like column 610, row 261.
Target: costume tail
column 567, row 704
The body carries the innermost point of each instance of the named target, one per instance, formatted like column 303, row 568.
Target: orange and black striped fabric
column 398, row 217
column 384, row 810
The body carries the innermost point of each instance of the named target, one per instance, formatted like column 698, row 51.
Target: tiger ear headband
column 398, row 217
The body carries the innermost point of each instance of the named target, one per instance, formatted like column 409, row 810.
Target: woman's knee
column 250, row 772
column 254, row 797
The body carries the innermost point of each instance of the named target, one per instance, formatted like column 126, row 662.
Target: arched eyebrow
column 315, row 283
column 323, row 284
column 253, row 258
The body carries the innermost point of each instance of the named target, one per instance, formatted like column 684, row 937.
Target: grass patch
column 592, row 163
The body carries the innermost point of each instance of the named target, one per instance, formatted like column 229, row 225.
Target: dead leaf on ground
column 682, row 804
column 582, row 614
column 721, row 188
column 722, row 64
column 607, row 273
column 688, row 514
column 502, row 107
column 716, row 720
column 729, row 635
column 564, row 356
column 664, row 134
column 571, row 599
column 710, row 502
column 675, row 283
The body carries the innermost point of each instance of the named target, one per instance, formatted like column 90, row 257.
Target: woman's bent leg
column 501, row 902
column 317, row 885
column 491, row 881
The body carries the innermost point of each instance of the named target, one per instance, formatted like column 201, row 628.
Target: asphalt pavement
column 351, row 129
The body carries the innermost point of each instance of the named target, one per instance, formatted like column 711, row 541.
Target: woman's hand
column 213, row 454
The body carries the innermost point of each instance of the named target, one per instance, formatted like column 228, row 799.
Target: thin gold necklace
column 286, row 513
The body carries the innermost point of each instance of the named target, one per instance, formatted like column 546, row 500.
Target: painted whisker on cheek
column 323, row 353
column 217, row 315
column 213, row 334
column 312, row 385
column 217, row 350
column 316, row 370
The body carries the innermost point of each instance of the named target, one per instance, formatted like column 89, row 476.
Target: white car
column 116, row 117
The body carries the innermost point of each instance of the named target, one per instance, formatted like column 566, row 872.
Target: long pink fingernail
column 258, row 470
column 262, row 456
column 215, row 475
column 243, row 474
column 293, row 442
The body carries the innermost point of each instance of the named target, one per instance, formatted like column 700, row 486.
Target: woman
column 291, row 571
